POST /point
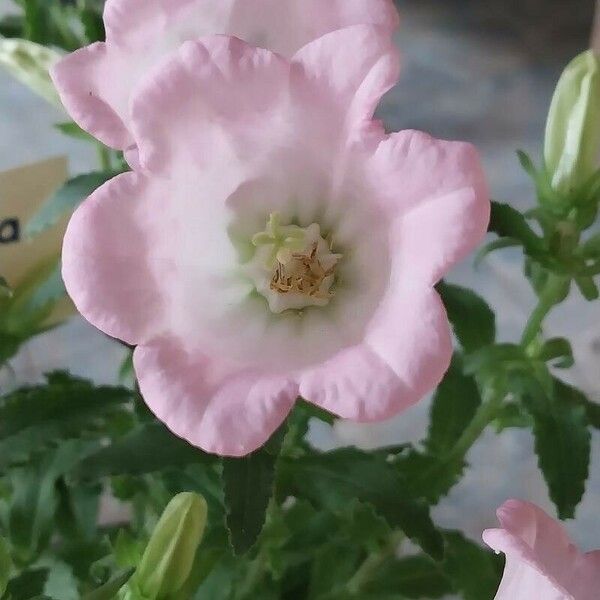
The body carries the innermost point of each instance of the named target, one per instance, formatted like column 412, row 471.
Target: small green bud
column 167, row 562
column 572, row 143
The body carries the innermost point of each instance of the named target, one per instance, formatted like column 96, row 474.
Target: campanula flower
column 277, row 243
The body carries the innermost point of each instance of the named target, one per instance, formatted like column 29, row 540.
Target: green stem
column 483, row 417
column 551, row 295
column 372, row 563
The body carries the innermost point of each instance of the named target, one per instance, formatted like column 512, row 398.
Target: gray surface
column 480, row 71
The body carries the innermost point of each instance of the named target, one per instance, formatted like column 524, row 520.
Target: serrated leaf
column 411, row 577
column 472, row 319
column 32, row 416
column 248, row 484
column 454, row 406
column 562, row 444
column 65, row 200
column 147, row 449
column 333, row 479
column 109, row 590
column 475, row 572
column 429, row 476
column 508, row 222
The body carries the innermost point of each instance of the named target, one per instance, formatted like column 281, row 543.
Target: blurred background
column 475, row 70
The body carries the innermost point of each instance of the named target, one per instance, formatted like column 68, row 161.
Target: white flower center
column 293, row 267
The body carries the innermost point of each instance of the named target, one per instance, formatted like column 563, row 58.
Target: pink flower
column 96, row 83
column 541, row 561
column 268, row 251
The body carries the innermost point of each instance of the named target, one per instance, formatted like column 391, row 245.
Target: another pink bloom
column 541, row 561
column 97, row 82
column 271, row 248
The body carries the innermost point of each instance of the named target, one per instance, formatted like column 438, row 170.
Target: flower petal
column 411, row 167
column 541, row 561
column 437, row 194
column 355, row 81
column 407, row 350
column 187, row 111
column 355, row 384
column 210, row 403
column 113, row 263
column 93, row 85
column 410, row 333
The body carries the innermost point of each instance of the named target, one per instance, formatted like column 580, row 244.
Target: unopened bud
column 572, row 144
column 167, row 562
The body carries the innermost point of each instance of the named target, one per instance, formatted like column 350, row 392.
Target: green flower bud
column 572, row 144
column 167, row 562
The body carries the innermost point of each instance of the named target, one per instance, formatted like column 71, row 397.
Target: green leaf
column 508, row 222
column 109, row 590
column 5, row 565
column 333, row 479
column 495, row 358
column 490, row 247
column 28, row 584
column 147, row 449
column 454, row 405
column 73, row 130
column 63, row 407
column 334, row 561
column 562, row 444
column 412, row 577
column 35, row 498
column 248, row 484
column 557, row 348
column 475, row 572
column 472, row 319
column 430, row 477
column 11, row 26
column 65, row 200
column 33, row 301
column 588, row 288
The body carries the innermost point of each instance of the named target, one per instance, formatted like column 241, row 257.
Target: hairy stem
column 551, row 295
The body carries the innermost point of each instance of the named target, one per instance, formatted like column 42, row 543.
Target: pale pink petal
column 437, row 196
column 439, row 233
column 411, row 167
column 114, row 263
column 211, row 403
column 410, row 332
column 97, row 82
column 355, row 384
column 541, row 561
column 205, row 101
column 355, row 80
column 93, row 83
column 406, row 352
